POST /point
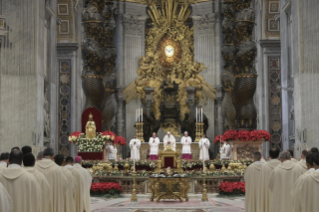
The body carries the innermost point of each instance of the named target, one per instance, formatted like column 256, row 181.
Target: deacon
column 5, row 200
column 4, row 160
column 21, row 185
column 169, row 140
column 56, row 178
column 79, row 189
column 112, row 152
column 88, row 181
column 29, row 162
column 281, row 180
column 135, row 145
column 266, row 169
column 154, row 142
column 252, row 183
column 302, row 162
column 186, row 141
column 204, row 146
column 295, row 192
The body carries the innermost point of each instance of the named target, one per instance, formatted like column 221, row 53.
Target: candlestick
column 202, row 115
column 142, row 113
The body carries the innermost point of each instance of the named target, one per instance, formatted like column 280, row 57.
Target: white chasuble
column 5, row 200
column 45, row 187
column 302, row 165
column 281, row 181
column 252, row 182
column 169, row 141
column 204, row 145
column 309, row 192
column 112, row 152
column 23, row 189
column 70, row 193
column 294, row 160
column 88, row 181
column 186, row 141
column 3, row 165
column 79, row 189
column 154, row 142
column 57, row 181
column 264, row 193
column 135, row 145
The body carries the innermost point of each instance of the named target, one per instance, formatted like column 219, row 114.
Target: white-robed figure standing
column 225, row 151
column 204, row 145
column 169, row 140
column 135, row 145
column 154, row 142
column 186, row 141
column 112, row 152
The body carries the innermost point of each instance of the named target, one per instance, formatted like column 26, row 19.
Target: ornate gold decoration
column 139, row 131
column 90, row 128
column 212, row 167
column 246, row 151
column 171, row 127
column 126, row 166
column 276, row 126
column 169, row 28
column 158, row 2
column 204, row 195
column 134, row 197
column 199, row 131
column 169, row 153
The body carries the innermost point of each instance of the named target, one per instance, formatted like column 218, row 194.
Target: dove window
column 169, row 51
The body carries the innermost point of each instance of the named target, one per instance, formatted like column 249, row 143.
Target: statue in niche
column 90, row 128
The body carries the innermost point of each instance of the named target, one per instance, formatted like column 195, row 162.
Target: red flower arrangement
column 232, row 188
column 74, row 136
column 120, row 140
column 98, row 189
column 243, row 135
column 218, row 139
column 230, row 135
column 109, row 135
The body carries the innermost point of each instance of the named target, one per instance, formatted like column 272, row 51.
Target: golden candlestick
column 134, row 197
column 204, row 195
column 139, row 131
column 199, row 131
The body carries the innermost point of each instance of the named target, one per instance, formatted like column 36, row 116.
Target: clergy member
column 29, row 162
column 302, row 161
column 135, row 145
column 79, row 190
column 26, row 150
column 204, row 146
column 186, row 141
column 56, row 178
column 154, row 142
column 4, row 160
column 69, row 199
column 295, row 192
column 225, row 151
column 281, row 180
column 21, row 185
column 40, row 156
column 5, row 200
column 266, row 169
column 169, row 140
column 292, row 156
column 88, row 181
column 314, row 150
column 112, row 152
column 252, row 183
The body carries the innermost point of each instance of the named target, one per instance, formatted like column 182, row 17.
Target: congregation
column 50, row 183
column 283, row 183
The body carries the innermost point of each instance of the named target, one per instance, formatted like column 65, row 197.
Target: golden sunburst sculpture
column 169, row 56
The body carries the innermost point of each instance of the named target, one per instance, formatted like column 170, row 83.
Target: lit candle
column 196, row 114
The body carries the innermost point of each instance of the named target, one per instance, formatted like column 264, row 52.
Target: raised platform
column 91, row 155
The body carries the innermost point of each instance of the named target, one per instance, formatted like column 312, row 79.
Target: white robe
column 303, row 165
column 112, row 152
column 3, row 165
column 204, row 153
column 309, row 192
column 252, row 182
column 5, row 200
column 186, row 142
column 88, row 181
column 154, row 145
column 23, row 189
column 70, row 205
column 135, row 149
column 225, row 151
column 79, row 190
column 171, row 139
column 281, row 181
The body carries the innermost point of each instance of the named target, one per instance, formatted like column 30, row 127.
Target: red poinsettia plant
column 99, row 189
column 119, row 140
column 243, row 135
column 232, row 188
column 109, row 135
column 74, row 136
column 230, row 135
column 218, row 139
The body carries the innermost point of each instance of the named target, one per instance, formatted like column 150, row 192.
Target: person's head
column 48, row 153
column 284, row 155
column 16, row 157
column 28, row 160
column 69, row 161
column 40, row 155
column 257, row 156
column 16, row 147
column 134, row 136
column 59, row 159
column 186, row 133
column 291, row 152
column 309, row 160
column 26, row 149
column 154, row 134
column 314, row 150
column 78, row 159
column 168, row 133
column 315, row 158
column 5, row 157
column 304, row 154
column 274, row 153
column 204, row 136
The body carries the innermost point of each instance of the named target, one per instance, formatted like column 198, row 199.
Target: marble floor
column 124, row 204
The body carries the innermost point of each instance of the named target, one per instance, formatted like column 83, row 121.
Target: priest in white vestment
column 112, row 152
column 88, row 181
column 295, row 192
column 29, row 162
column 225, row 151
column 186, row 141
column 154, row 143
column 56, row 179
column 21, row 185
column 169, row 140
column 79, row 190
column 4, row 160
column 266, row 169
column 302, row 161
column 135, row 145
column 252, row 182
column 5, row 200
column 281, row 181
column 204, row 145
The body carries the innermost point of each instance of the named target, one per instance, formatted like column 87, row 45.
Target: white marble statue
column 169, row 140
column 135, row 145
column 204, row 145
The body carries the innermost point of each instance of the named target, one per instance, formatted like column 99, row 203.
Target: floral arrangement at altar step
column 87, row 145
column 109, row 135
column 119, row 140
column 243, row 135
column 232, row 188
column 105, row 189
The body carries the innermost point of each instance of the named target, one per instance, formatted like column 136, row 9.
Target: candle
column 196, row 114
column 135, row 115
column 202, row 114
column 142, row 113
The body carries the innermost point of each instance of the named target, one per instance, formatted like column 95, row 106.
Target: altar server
column 21, row 185
column 112, row 152
column 154, row 142
column 186, row 141
column 281, row 180
column 266, row 169
column 204, row 147
column 135, row 145
column 88, row 181
column 29, row 162
column 56, row 178
column 169, row 140
column 4, row 160
column 5, row 200
column 252, row 182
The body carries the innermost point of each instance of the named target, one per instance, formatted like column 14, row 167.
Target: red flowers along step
column 243, row 135
column 100, row 189
column 232, row 188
